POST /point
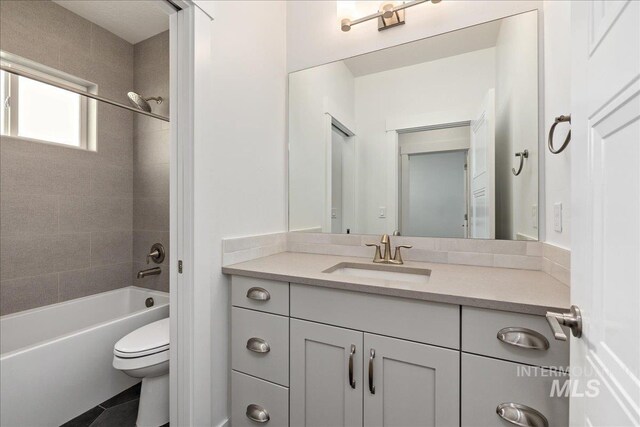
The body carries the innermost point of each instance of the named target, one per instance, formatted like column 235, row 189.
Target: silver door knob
column 573, row 320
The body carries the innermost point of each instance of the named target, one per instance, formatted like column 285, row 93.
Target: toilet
column 144, row 353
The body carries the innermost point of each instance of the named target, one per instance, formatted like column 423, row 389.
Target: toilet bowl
column 144, row 353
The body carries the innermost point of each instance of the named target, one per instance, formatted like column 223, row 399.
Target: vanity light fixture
column 389, row 15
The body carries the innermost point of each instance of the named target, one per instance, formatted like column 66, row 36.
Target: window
column 42, row 112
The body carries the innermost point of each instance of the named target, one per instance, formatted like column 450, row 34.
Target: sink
column 393, row 273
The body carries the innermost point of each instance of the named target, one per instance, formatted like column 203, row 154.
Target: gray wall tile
column 151, row 213
column 111, row 247
column 111, row 181
column 26, row 256
column 89, row 281
column 27, row 214
column 151, row 180
column 29, row 292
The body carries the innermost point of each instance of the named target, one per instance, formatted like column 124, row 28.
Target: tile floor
column 119, row 411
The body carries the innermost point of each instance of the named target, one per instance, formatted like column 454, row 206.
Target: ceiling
column 132, row 21
column 430, row 49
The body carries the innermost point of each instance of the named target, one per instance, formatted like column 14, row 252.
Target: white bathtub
column 55, row 361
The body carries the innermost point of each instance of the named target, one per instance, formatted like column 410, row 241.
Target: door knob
column 573, row 320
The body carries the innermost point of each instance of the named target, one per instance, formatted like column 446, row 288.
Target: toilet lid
column 149, row 339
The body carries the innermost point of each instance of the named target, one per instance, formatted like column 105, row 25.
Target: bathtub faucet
column 149, row 272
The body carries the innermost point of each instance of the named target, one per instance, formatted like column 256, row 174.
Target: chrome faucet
column 379, row 258
column 149, row 272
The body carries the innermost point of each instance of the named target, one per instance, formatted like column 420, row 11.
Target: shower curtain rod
column 79, row 92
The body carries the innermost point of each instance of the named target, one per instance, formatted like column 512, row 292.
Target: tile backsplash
column 490, row 253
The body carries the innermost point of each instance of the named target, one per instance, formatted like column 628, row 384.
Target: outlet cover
column 557, row 217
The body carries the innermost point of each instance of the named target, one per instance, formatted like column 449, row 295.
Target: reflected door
column 433, row 194
column 342, row 181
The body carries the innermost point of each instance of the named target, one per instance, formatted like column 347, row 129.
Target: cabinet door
column 410, row 384
column 320, row 361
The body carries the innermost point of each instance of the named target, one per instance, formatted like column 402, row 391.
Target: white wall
column 240, row 170
column 412, row 91
column 314, row 36
column 516, row 126
column 557, row 93
column 312, row 93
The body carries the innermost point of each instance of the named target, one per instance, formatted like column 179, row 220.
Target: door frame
column 330, row 121
column 181, row 196
column 395, row 126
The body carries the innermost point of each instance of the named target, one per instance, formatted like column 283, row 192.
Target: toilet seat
column 148, row 340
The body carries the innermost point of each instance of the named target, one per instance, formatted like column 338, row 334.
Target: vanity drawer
column 487, row 383
column 268, row 337
column 415, row 320
column 268, row 398
column 259, row 294
column 481, row 327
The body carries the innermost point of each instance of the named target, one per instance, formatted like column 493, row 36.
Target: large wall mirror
column 433, row 138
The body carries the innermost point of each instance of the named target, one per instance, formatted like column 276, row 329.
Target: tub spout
column 149, row 272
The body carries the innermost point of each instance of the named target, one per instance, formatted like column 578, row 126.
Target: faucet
column 379, row 258
column 149, row 272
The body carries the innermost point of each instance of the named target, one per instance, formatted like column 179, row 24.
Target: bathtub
column 55, row 361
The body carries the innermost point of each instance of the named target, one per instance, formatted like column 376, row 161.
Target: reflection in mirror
column 421, row 139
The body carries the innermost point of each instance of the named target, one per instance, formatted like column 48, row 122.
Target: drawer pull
column 258, row 294
column 352, row 381
column 521, row 415
column 372, row 355
column 523, row 338
column 257, row 413
column 258, row 345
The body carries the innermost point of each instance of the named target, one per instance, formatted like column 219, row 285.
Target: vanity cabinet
column 313, row 356
column 326, row 375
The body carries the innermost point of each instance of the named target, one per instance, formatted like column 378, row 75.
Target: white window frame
column 88, row 111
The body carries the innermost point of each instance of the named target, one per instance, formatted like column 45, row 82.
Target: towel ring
column 559, row 119
column 523, row 155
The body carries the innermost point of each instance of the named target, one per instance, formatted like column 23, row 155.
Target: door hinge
column 180, row 266
column 465, row 166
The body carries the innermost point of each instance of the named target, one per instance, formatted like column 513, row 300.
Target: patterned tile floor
column 119, row 411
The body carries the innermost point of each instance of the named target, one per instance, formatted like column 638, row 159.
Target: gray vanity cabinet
column 326, row 375
column 339, row 375
column 410, row 384
column 309, row 356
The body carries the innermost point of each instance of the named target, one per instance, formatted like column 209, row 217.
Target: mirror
column 433, row 138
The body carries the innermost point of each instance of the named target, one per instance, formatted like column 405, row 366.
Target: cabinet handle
column 521, row 415
column 258, row 294
column 352, row 381
column 523, row 338
column 257, row 413
column 258, row 345
column 372, row 355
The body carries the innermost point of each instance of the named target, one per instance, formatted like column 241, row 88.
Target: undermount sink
column 394, row 273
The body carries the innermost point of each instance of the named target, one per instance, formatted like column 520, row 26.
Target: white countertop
column 522, row 291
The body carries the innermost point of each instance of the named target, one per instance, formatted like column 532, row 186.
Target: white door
column 605, row 150
column 482, row 171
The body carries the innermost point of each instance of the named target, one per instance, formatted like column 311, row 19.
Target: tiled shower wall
column 67, row 215
column 151, row 159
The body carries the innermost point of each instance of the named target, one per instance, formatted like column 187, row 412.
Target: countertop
column 521, row 291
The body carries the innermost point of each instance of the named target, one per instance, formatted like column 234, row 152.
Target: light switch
column 382, row 212
column 557, row 217
column 534, row 216
column 334, row 213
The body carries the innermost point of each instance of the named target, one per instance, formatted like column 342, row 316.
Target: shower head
column 140, row 102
